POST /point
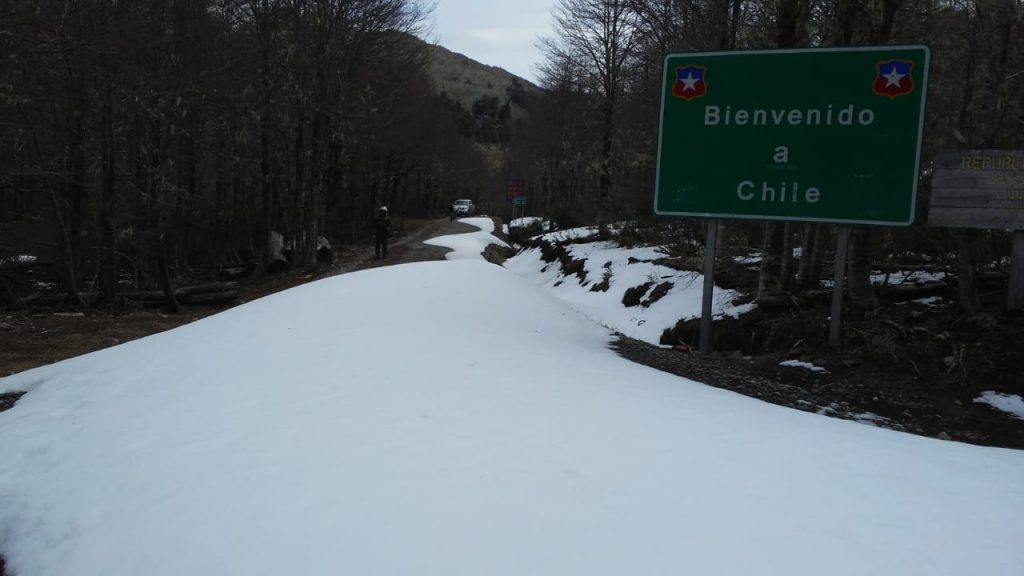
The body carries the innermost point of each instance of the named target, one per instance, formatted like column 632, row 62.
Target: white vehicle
column 463, row 207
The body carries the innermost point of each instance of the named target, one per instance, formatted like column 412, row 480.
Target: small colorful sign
column 894, row 78
column 516, row 188
column 690, row 82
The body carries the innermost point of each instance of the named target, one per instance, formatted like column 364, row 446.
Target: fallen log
column 212, row 298
column 777, row 302
column 206, row 288
column 991, row 277
column 217, row 292
column 235, row 272
column 903, row 292
column 930, row 268
column 682, row 264
column 8, row 265
column 21, row 302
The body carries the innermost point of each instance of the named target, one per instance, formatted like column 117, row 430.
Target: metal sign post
column 710, row 247
column 838, row 278
column 517, row 196
column 1015, row 290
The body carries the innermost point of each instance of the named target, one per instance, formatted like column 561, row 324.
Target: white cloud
column 500, row 34
column 512, row 37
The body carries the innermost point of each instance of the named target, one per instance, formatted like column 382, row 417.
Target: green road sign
column 829, row 135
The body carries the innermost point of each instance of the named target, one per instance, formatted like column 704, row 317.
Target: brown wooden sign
column 978, row 189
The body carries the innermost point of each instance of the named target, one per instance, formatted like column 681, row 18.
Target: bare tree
column 597, row 38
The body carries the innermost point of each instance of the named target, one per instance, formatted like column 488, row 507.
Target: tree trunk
column 70, row 275
column 791, row 22
column 76, row 174
column 775, row 274
column 858, row 277
column 965, row 271
column 734, row 23
column 108, row 256
column 786, row 262
column 769, row 282
column 607, row 136
column 721, row 31
column 822, row 237
column 1015, row 289
column 266, row 191
column 166, row 284
column 807, row 255
column 191, row 165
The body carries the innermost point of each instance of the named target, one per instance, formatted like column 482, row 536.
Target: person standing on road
column 381, row 231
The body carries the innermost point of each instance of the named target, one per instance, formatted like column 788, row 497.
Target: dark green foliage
column 566, row 219
column 553, row 251
column 633, row 296
column 606, row 280
column 657, row 294
column 747, row 334
column 550, row 252
column 571, row 267
column 485, row 108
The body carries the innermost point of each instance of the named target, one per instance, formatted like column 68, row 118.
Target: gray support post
column 710, row 247
column 842, row 241
column 1015, row 290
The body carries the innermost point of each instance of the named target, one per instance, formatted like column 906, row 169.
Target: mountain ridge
column 467, row 81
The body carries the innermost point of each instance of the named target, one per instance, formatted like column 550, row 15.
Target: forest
column 141, row 141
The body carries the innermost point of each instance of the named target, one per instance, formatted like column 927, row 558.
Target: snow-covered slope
column 448, row 418
column 623, row 269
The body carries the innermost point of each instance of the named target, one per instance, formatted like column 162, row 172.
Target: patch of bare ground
column 34, row 336
column 907, row 367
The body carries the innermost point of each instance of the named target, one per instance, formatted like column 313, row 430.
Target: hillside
column 467, row 81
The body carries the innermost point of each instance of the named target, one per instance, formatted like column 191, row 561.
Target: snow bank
column 448, row 418
column 801, row 364
column 469, row 246
column 623, row 268
column 1010, row 403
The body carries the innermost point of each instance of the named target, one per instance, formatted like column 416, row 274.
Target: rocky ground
column 861, row 392
column 914, row 369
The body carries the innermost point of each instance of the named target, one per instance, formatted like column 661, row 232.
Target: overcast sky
column 498, row 32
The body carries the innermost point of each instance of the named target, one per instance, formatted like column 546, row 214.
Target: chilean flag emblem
column 893, row 78
column 689, row 82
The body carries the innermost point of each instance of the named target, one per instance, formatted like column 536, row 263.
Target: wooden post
column 842, row 241
column 1015, row 290
column 710, row 246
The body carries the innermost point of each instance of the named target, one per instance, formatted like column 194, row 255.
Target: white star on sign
column 893, row 77
column 689, row 83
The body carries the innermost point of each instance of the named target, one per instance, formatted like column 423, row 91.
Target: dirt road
column 36, row 336
column 404, row 249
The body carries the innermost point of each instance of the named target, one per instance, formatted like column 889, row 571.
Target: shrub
column 634, row 295
column 657, row 294
column 606, row 279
